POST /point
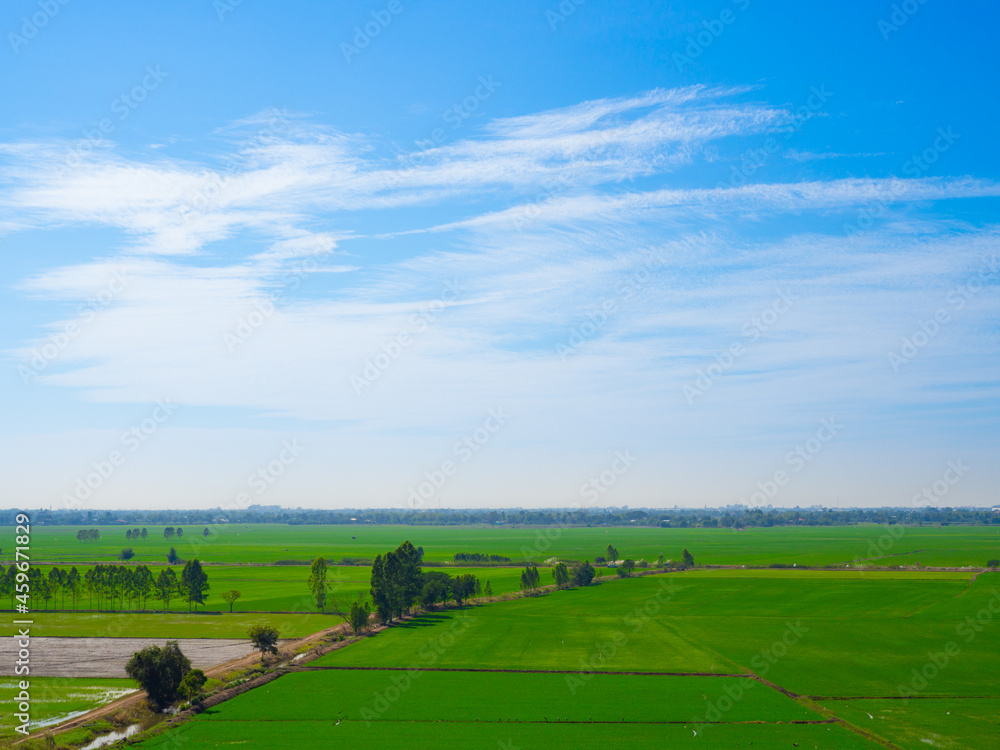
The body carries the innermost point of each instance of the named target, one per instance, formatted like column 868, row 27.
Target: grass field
column 668, row 660
column 819, row 634
column 462, row 709
column 435, row 734
column 685, row 622
column 802, row 545
column 54, row 699
column 919, row 724
column 502, row 697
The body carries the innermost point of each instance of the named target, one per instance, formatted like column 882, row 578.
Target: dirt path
column 285, row 654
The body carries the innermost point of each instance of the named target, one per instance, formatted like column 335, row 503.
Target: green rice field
column 793, row 545
column 709, row 657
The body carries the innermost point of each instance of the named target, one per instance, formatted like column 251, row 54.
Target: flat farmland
column 446, row 732
column 681, row 622
column 462, row 709
column 503, row 697
column 801, row 545
column 919, row 724
column 282, row 588
column 711, row 657
column 836, row 640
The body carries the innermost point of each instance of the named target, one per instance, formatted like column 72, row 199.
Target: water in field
column 121, row 734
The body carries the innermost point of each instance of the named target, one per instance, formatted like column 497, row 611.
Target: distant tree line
column 624, row 567
column 479, row 557
column 733, row 516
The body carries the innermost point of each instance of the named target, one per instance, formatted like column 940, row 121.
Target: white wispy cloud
column 312, row 249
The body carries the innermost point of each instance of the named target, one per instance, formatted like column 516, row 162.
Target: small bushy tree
column 358, row 617
column 264, row 639
column 583, row 573
column 192, row 684
column 230, row 597
column 159, row 671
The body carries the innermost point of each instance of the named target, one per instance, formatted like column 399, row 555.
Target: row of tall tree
column 396, row 581
column 111, row 587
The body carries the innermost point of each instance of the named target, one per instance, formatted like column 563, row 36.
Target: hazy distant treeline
column 730, row 517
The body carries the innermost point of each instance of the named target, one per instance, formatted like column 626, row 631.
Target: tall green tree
column 394, row 583
column 612, row 554
column 194, row 583
column 56, row 580
column 530, row 579
column 463, row 587
column 410, row 577
column 380, row 590
column 688, row 558
column 8, row 583
column 166, row 586
column 560, row 574
column 317, row 582
column 74, row 585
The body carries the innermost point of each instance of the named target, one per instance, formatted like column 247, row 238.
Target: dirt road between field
column 218, row 669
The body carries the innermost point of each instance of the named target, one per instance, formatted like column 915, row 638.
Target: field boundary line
column 903, row 697
column 806, row 701
column 323, row 668
column 809, row 703
column 685, row 722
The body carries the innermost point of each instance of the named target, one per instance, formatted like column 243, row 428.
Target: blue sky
column 403, row 254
